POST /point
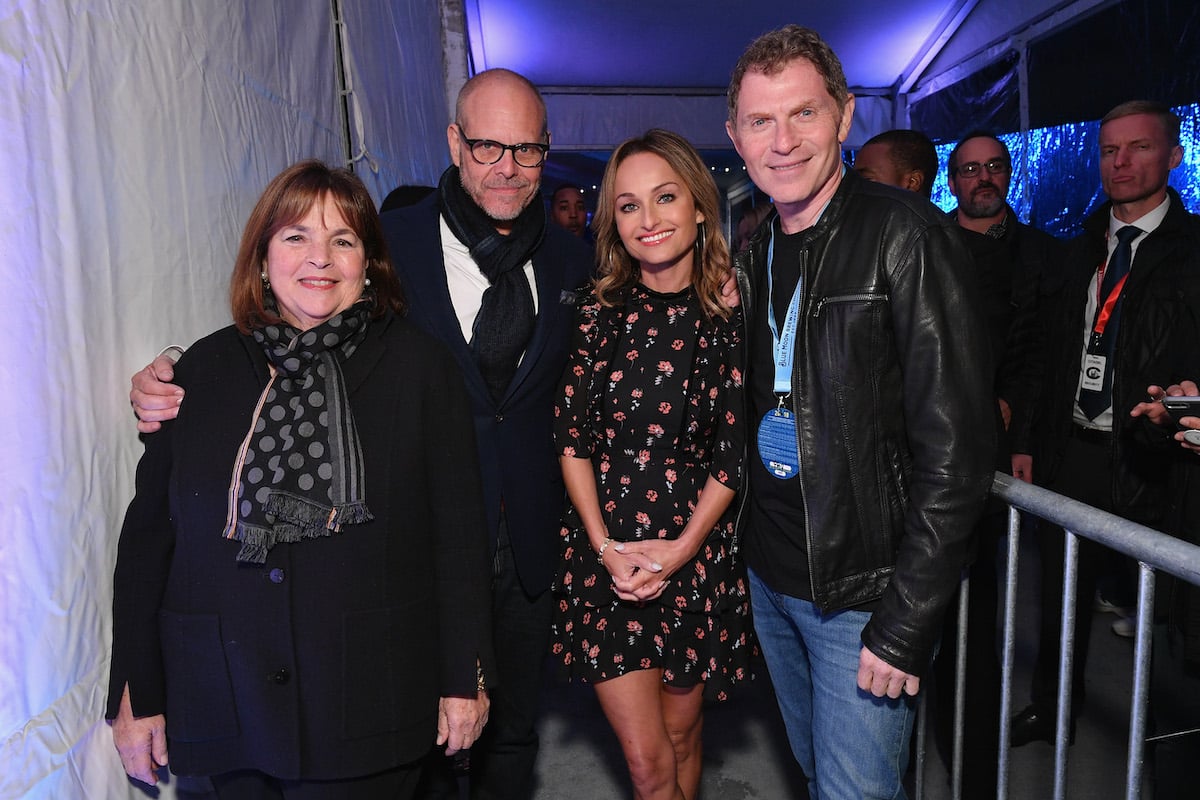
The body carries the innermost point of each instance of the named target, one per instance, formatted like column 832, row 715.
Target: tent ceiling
column 694, row 43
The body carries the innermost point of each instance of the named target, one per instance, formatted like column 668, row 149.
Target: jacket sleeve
column 143, row 561
column 462, row 586
column 948, row 403
column 1022, row 364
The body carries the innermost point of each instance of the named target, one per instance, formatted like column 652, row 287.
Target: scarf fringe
column 296, row 518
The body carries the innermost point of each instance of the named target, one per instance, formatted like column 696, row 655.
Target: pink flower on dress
column 633, row 626
column 632, row 355
column 569, row 451
column 671, row 476
column 642, row 518
column 677, row 344
column 643, row 457
column 610, row 506
column 577, row 370
column 654, row 429
column 615, row 375
column 666, row 367
column 664, row 407
column 652, row 495
column 569, row 390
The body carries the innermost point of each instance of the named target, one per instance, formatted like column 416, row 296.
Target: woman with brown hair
column 652, row 602
column 300, row 597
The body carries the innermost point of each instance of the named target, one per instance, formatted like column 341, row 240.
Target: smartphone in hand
column 1180, row 407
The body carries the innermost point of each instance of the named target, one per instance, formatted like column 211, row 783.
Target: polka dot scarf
column 299, row 471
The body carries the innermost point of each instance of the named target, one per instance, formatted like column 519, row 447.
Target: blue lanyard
column 782, row 347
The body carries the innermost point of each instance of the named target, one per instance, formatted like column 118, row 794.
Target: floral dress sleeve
column 574, row 433
column 729, row 446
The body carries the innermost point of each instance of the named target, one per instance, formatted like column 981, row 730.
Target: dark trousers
column 1084, row 475
column 981, row 733
column 248, row 784
column 1175, row 707
column 502, row 761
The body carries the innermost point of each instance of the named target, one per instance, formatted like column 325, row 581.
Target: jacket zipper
column 812, row 575
column 843, row 298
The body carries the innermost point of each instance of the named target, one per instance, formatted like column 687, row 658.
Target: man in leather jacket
column 870, row 371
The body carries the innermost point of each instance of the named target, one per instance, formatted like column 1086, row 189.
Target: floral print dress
column 652, row 395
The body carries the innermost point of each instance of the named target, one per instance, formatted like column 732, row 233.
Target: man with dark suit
column 484, row 273
column 1123, row 300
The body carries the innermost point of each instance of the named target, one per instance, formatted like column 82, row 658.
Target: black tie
column 1093, row 402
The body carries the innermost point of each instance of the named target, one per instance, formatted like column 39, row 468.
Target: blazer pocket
column 200, row 703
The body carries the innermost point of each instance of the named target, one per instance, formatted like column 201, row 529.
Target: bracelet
column 603, row 546
column 480, row 686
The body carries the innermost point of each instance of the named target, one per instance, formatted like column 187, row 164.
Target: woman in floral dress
column 652, row 604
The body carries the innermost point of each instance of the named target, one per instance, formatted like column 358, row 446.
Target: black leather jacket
column 893, row 394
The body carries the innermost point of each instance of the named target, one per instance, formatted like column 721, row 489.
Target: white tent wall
column 401, row 54
column 135, row 137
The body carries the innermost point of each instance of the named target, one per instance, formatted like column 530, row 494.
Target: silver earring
column 367, row 282
column 266, row 281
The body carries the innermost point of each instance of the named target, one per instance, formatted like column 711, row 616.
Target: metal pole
column 1010, row 638
column 960, row 686
column 1141, row 681
column 1065, row 662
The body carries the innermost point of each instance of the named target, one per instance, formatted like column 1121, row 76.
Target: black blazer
column 327, row 661
column 1154, row 345
column 516, row 448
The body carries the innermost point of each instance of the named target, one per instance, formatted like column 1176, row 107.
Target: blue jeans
column 849, row 743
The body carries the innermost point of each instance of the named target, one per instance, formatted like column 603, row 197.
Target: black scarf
column 299, row 471
column 505, row 320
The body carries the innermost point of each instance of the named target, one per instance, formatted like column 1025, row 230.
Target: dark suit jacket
column 516, row 448
column 327, row 661
column 1158, row 308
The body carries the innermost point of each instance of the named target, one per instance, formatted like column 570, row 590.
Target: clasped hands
column 639, row 569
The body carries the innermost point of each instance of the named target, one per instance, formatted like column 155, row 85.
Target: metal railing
column 1153, row 551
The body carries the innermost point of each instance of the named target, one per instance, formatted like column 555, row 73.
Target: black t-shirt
column 775, row 545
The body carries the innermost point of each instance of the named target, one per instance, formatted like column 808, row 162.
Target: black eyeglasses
column 996, row 166
column 487, row 151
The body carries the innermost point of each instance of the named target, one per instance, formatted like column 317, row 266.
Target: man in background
column 1119, row 310
column 902, row 158
column 567, row 209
